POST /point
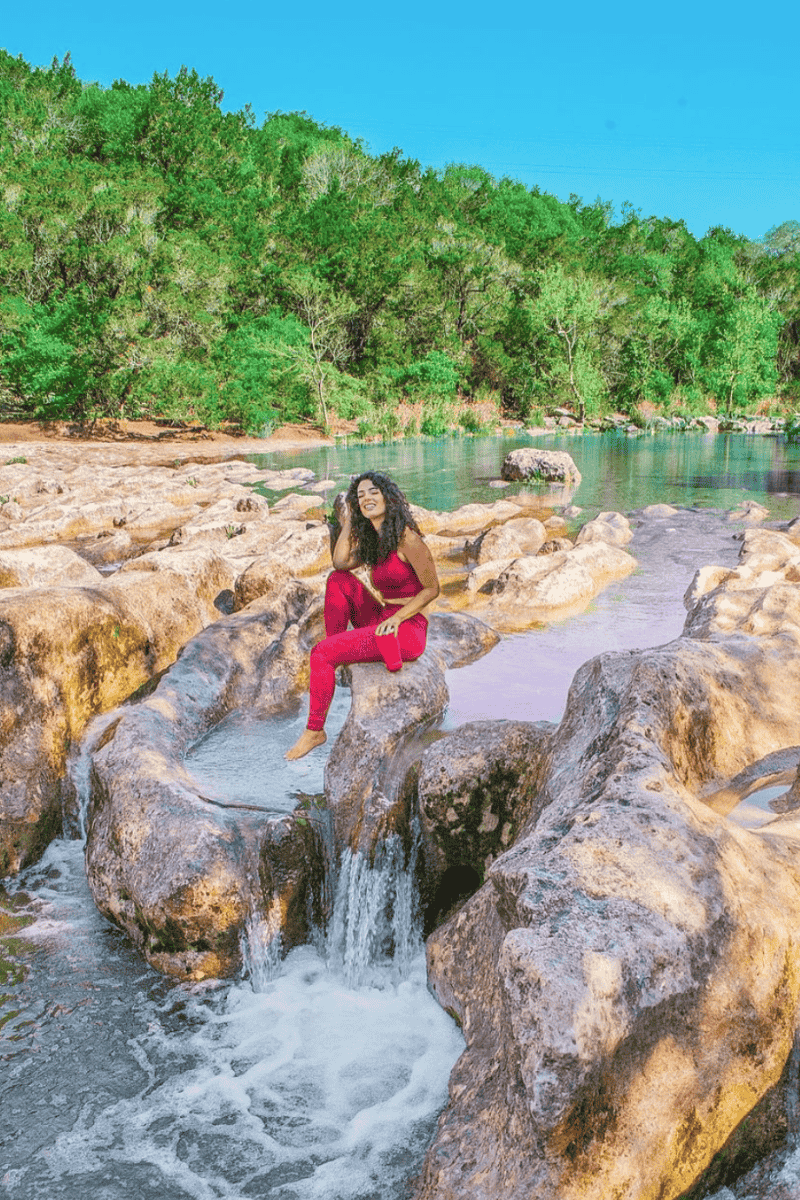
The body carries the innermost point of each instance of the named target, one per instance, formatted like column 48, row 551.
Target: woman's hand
column 388, row 627
column 344, row 555
column 342, row 509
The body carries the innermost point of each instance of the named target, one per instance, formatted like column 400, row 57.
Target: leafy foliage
column 164, row 258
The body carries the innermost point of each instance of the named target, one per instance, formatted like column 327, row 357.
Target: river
column 309, row 1079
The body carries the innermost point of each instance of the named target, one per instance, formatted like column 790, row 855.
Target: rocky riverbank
column 109, row 566
column 621, row 957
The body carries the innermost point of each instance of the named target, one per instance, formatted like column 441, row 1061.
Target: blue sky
column 685, row 110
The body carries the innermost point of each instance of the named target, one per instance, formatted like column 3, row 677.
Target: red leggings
column 347, row 601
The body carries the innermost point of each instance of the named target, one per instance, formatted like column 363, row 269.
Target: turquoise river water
column 304, row 1079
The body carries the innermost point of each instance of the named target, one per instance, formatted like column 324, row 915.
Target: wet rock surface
column 177, row 872
column 628, row 976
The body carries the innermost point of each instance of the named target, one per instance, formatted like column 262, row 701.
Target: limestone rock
column 551, row 466
column 302, row 550
column 457, row 639
column 262, row 577
column 204, row 569
column 66, row 654
column 553, row 545
column 749, row 510
column 628, row 976
column 475, row 790
column 610, row 527
column 44, row 566
column 533, row 589
column 176, row 871
column 659, row 510
column 471, row 517
column 520, row 535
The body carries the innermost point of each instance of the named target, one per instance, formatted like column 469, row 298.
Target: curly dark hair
column 372, row 548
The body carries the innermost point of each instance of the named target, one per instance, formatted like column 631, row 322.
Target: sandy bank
column 117, row 443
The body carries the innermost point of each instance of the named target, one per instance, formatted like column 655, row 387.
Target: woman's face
column 371, row 500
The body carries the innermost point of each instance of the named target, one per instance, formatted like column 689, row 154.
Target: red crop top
column 395, row 579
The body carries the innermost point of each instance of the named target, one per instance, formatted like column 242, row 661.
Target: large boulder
column 549, row 466
column 368, row 764
column 475, row 789
column 628, row 976
column 67, row 654
column 180, row 873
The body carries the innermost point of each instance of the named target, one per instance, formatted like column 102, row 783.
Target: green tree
column 567, row 309
column 742, row 362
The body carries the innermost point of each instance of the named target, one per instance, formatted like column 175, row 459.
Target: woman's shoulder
column 409, row 542
column 410, row 537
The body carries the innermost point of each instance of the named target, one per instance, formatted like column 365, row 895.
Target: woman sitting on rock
column 378, row 531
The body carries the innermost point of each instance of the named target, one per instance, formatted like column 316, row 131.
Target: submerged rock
column 628, row 976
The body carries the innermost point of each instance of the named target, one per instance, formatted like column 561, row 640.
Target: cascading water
column 79, row 765
column 318, row 1076
column 116, row 1082
column 375, row 929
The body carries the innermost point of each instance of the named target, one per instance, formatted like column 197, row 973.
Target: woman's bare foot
column 309, row 740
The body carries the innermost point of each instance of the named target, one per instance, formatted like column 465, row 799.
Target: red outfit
column 347, row 601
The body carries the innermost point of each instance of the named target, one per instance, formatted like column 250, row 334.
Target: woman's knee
column 319, row 656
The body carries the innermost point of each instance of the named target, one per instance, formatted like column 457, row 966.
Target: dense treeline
column 162, row 258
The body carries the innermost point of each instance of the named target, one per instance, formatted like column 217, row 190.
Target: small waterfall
column 262, row 946
column 793, row 1094
column 76, row 787
column 261, row 941
column 375, row 929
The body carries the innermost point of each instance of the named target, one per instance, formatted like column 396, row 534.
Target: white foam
column 311, row 1088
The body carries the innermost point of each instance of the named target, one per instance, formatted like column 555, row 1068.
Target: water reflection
column 619, row 472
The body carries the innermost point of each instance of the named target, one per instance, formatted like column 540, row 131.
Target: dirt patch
column 151, row 431
column 116, row 442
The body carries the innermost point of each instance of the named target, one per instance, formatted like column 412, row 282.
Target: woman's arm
column 345, row 555
column 414, row 551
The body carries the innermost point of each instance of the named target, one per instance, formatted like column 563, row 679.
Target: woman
column 378, row 531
